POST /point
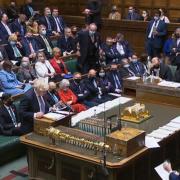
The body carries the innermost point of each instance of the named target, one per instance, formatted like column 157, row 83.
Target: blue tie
column 42, row 104
column 12, row 116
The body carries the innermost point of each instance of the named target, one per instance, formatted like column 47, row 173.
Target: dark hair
column 157, row 11
column 5, row 96
column 7, row 65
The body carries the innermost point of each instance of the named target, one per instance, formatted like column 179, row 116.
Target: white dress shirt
column 7, row 28
column 120, row 49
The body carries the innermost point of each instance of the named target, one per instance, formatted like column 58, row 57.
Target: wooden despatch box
column 126, row 141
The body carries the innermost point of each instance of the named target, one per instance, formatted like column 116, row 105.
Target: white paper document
column 64, row 112
column 115, row 94
column 175, row 125
column 54, row 116
column 151, row 142
column 169, row 128
column 162, row 172
column 133, row 78
column 169, row 84
column 176, row 120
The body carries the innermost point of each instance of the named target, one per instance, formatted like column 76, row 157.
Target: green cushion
column 173, row 69
column 10, row 148
column 71, row 65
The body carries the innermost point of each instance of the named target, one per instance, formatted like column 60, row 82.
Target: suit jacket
column 10, row 51
column 43, row 20
column 177, row 75
column 17, row 27
column 28, row 106
column 66, row 45
column 12, row 12
column 95, row 17
column 50, row 99
column 26, row 11
column 162, row 31
column 4, row 53
column 126, row 72
column 175, row 59
column 80, row 90
column 41, row 44
column 25, row 42
column 54, row 25
column 173, row 176
column 84, row 44
column 127, row 50
column 6, row 124
column 112, row 81
column 165, row 72
column 3, row 33
column 105, row 84
column 137, row 68
column 133, row 16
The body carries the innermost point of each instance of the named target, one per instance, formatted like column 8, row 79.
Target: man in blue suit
column 156, row 31
column 5, row 29
column 122, row 48
column 66, row 43
column 30, row 45
column 137, row 66
column 28, row 9
column 34, row 104
column 19, row 25
column 115, row 78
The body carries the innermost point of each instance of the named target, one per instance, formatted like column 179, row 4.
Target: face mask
column 126, row 65
column 65, row 89
column 43, row 32
column 53, row 91
column 48, row 15
column 12, row 43
column 101, row 74
column 91, row 33
column 156, row 66
column 77, row 81
column 156, row 18
column 134, row 60
column 114, row 70
column 131, row 11
column 92, row 77
column 24, row 64
column 144, row 15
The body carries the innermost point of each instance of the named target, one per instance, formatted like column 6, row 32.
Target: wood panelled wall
column 75, row 7
column 134, row 31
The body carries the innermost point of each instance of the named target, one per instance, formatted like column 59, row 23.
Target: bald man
column 89, row 43
column 160, row 69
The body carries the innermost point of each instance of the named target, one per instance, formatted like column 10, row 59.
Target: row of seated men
column 76, row 95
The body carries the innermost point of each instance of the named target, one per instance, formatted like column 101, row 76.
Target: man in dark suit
column 57, row 21
column 46, row 20
column 19, row 26
column 79, row 88
column 108, row 52
column 34, row 105
column 44, row 42
column 93, row 86
column 115, row 78
column 126, row 70
column 5, row 29
column 132, row 14
column 155, row 33
column 28, row 9
column 137, row 66
column 52, row 96
column 66, row 43
column 161, row 70
column 175, row 49
column 30, row 45
column 12, row 11
column 14, row 48
column 122, row 48
column 89, row 42
column 10, row 125
column 93, row 13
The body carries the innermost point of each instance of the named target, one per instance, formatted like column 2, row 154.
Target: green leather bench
column 71, row 64
column 10, row 148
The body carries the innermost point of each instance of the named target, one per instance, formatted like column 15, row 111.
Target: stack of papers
column 169, row 84
column 54, row 116
column 150, row 142
column 133, row 78
column 162, row 172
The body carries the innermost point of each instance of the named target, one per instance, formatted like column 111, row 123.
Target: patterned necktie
column 41, row 104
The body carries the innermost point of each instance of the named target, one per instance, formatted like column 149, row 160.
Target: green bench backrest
column 71, row 65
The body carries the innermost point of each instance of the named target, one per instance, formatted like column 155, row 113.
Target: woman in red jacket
column 58, row 63
column 69, row 98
